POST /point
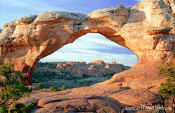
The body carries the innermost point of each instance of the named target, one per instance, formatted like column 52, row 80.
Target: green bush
column 11, row 86
column 14, row 91
column 167, row 89
column 11, row 89
column 21, row 108
column 63, row 87
column 3, row 109
column 17, row 108
column 120, row 6
column 55, row 88
column 41, row 86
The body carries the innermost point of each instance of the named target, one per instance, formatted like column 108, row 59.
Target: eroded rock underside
column 147, row 29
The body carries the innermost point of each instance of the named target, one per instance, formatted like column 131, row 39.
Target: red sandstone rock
column 97, row 68
column 23, row 43
column 98, row 62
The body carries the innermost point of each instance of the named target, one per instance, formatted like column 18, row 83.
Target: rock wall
column 97, row 68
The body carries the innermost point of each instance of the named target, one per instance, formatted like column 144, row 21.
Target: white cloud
column 92, row 40
column 86, row 49
column 125, row 59
column 97, row 38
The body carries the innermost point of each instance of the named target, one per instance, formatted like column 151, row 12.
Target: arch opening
column 90, row 59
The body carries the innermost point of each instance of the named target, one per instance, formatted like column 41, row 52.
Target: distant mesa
column 95, row 68
column 98, row 62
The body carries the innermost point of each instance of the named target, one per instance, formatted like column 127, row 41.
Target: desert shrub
column 11, row 86
column 17, row 108
column 21, row 108
column 167, row 89
column 41, row 86
column 3, row 109
column 120, row 6
column 14, row 91
column 63, row 87
column 55, row 88
column 11, row 89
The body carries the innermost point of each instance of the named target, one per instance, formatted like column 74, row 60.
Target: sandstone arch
column 147, row 29
column 25, row 41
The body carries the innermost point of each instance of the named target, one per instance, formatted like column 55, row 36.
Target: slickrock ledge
column 25, row 43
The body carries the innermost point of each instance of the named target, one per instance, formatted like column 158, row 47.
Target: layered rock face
column 97, row 68
column 25, row 41
column 148, row 29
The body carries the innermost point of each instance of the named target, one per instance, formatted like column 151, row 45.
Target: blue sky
column 92, row 47
column 97, row 47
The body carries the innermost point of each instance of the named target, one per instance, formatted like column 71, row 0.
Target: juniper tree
column 168, row 88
